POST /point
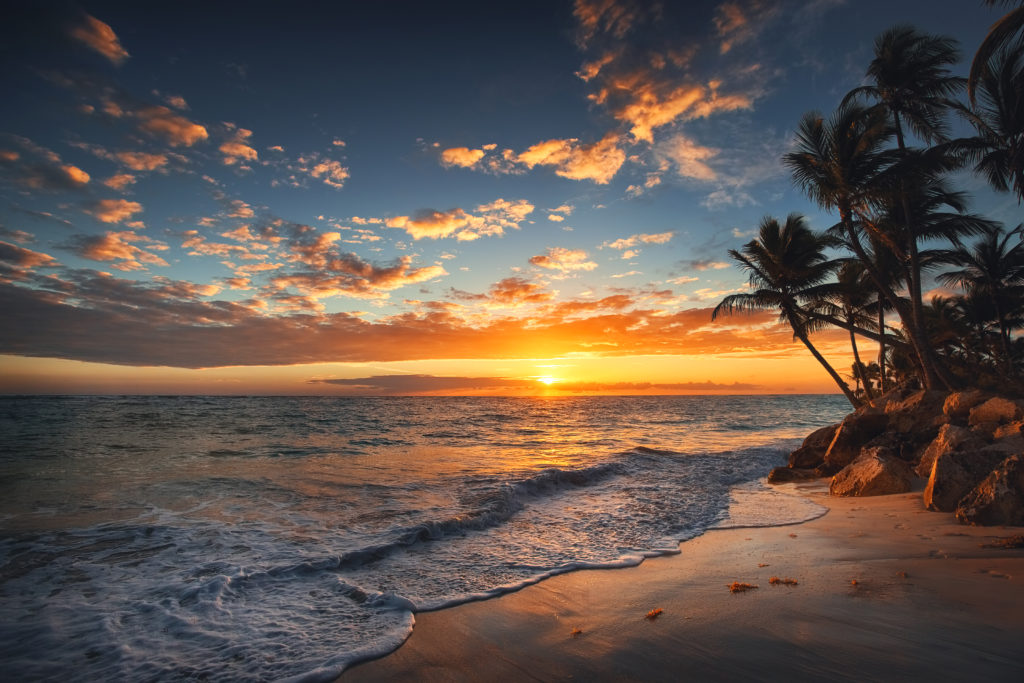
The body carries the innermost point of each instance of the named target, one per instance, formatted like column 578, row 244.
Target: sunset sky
column 399, row 197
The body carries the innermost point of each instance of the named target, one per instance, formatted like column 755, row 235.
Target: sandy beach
column 885, row 590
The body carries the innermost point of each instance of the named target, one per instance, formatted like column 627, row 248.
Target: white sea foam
column 265, row 539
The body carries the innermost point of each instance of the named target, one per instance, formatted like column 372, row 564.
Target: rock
column 998, row 410
column 998, row 499
column 853, row 433
column 919, row 414
column 783, row 475
column 950, row 438
column 958, row 404
column 954, row 474
column 1008, row 430
column 812, row 451
column 875, row 472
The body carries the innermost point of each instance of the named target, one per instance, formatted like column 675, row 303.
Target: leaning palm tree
column 998, row 117
column 841, row 163
column 992, row 270
column 910, row 79
column 1005, row 33
column 853, row 296
column 787, row 267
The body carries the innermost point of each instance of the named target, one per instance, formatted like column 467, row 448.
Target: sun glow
column 548, row 380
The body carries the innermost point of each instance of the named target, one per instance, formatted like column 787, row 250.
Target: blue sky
column 200, row 185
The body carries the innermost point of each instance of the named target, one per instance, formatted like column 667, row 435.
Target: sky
column 414, row 198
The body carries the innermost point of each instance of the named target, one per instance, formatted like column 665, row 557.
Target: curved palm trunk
column 799, row 333
column 860, row 368
column 881, row 347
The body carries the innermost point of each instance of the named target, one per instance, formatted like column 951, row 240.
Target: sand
column 886, row 590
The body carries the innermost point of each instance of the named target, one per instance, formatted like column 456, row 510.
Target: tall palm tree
column 1003, row 34
column 840, row 163
column 853, row 296
column 787, row 267
column 910, row 79
column 998, row 116
column 993, row 269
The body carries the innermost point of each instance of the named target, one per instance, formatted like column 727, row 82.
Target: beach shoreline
column 885, row 590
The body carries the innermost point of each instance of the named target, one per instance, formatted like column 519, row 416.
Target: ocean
column 286, row 538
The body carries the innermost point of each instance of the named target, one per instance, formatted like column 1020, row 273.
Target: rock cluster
column 968, row 445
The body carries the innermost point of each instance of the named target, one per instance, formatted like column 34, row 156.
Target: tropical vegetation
column 884, row 163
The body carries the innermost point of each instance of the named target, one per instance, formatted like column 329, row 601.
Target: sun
column 548, row 380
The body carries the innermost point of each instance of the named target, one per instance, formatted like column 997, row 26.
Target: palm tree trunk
column 802, row 336
column 881, row 346
column 860, row 367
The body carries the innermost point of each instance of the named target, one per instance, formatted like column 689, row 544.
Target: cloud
column 174, row 129
column 737, row 24
column 349, row 275
column 634, row 240
column 24, row 258
column 461, row 156
column 598, row 162
column 487, row 220
column 236, row 149
column 399, row 385
column 564, row 260
column 516, row 291
column 705, row 264
column 41, row 169
column 119, row 248
column 92, row 317
column 119, row 181
column 113, row 210
column 98, row 36
column 683, row 280
column 556, row 218
column 688, row 157
column 612, row 17
column 313, row 165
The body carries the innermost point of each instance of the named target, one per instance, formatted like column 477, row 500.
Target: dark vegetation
column 882, row 163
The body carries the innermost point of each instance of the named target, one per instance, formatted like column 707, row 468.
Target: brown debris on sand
column 1007, row 542
column 653, row 614
column 776, row 581
column 737, row 587
column 576, row 631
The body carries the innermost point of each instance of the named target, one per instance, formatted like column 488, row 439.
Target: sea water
column 270, row 538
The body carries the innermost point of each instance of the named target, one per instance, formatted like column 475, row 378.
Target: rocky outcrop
column 957, row 405
column 853, row 432
column 950, row 438
column 875, row 472
column 954, row 474
column 784, row 475
column 812, row 451
column 998, row 499
column 995, row 411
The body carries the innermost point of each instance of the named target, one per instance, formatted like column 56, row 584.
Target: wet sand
column 886, row 590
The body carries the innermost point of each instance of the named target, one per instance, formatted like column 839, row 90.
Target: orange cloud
column 564, row 260
column 176, row 130
column 348, row 275
column 613, row 17
column 98, row 36
column 634, row 240
column 236, row 149
column 487, row 220
column 119, row 181
column 461, row 156
column 43, row 169
column 113, row 210
column 689, row 157
column 598, row 162
column 24, row 258
column 118, row 247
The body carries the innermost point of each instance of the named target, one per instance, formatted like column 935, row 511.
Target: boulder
column 958, row 405
column 997, row 410
column 919, row 414
column 854, row 431
column 1008, row 430
column 812, row 451
column 998, row 499
column 950, row 438
column 954, row 474
column 784, row 475
column 875, row 472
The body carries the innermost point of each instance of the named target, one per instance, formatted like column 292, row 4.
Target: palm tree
column 1000, row 35
column 993, row 269
column 841, row 163
column 998, row 116
column 911, row 80
column 853, row 296
column 787, row 267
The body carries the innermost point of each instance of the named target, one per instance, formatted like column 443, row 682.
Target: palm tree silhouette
column 1000, row 35
column 787, row 267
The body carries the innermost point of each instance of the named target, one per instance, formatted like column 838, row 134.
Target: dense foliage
column 883, row 163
